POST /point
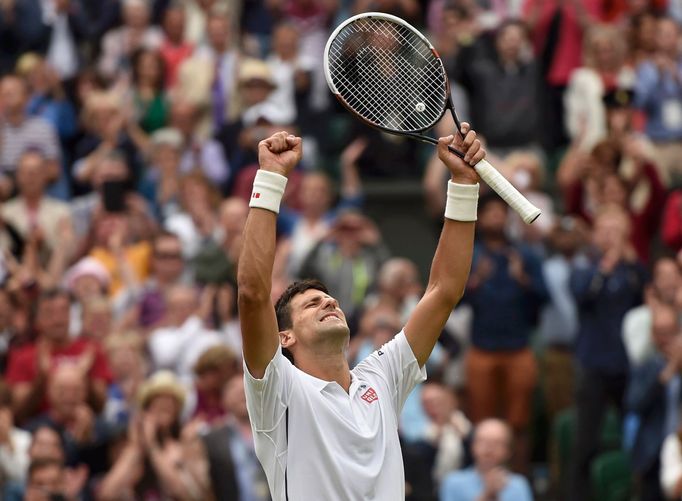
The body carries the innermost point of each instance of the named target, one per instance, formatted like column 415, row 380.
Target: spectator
column 212, row 370
column 14, row 443
column 347, row 259
column 179, row 344
column 236, row 473
column 47, row 480
column 198, row 153
column 30, row 366
column 86, row 280
column 196, row 222
column 175, row 48
column 167, row 270
column 504, row 85
column 33, row 211
column 129, row 367
column 149, row 104
column 559, row 317
column 119, row 44
column 505, row 290
column 306, row 227
column 83, row 434
column 21, row 132
column 156, row 459
column 604, row 69
column 653, row 396
column 605, row 286
column 489, row 478
column 658, row 86
column 447, row 431
column 291, row 70
column 662, row 290
column 209, row 76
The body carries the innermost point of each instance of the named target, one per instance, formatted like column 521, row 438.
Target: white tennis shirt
column 317, row 442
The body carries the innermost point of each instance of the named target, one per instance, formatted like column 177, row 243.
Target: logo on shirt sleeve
column 370, row 396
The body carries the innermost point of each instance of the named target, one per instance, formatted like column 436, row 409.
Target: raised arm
column 277, row 155
column 452, row 260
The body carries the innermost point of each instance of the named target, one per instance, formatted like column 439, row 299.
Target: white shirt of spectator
column 344, row 446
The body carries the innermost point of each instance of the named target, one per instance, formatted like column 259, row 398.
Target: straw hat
column 162, row 382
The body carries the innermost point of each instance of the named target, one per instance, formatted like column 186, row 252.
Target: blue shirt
column 602, row 303
column 505, row 311
column 660, row 97
column 467, row 485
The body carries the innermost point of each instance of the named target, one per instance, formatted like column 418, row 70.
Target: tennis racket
column 389, row 75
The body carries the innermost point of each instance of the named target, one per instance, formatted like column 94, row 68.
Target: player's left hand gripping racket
column 389, row 75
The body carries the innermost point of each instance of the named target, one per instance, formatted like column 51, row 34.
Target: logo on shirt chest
column 370, row 396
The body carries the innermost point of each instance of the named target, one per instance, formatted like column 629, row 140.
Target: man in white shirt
column 342, row 424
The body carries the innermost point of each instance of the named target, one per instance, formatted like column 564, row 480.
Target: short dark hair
column 282, row 309
column 51, row 294
column 490, row 198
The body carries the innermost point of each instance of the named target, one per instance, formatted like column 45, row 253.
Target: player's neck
column 326, row 366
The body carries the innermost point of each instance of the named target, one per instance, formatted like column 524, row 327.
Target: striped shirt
column 33, row 133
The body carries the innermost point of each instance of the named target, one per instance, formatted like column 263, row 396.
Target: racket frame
column 528, row 212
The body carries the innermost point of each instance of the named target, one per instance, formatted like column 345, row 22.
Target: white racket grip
column 509, row 194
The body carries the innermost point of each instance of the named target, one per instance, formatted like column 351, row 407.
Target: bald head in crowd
column 492, row 444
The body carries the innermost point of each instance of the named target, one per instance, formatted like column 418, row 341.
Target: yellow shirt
column 138, row 257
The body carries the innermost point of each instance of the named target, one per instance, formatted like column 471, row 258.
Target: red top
column 23, row 361
column 671, row 226
column 568, row 51
column 173, row 56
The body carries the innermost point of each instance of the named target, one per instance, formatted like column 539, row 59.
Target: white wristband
column 462, row 202
column 268, row 188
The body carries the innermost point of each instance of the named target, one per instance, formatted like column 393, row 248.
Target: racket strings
column 387, row 74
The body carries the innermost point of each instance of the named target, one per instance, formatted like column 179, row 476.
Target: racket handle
column 509, row 194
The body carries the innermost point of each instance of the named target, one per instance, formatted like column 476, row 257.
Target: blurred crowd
column 128, row 146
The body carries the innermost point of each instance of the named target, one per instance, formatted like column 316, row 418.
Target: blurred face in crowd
column 492, row 220
column 234, row 398
column 605, row 53
column 254, row 91
column 226, row 302
column 645, row 35
column 316, row 194
column 233, row 214
column 566, row 237
column 97, row 318
column 86, row 287
column 438, row 402
column 107, row 225
column 44, row 482
column 52, row 319
column 128, row 367
column 666, row 279
column 167, row 158
column 510, row 42
column 165, row 409
column 218, row 32
column 181, row 303
column 665, row 328
column 6, row 310
column 174, row 23
column 46, row 444
column 168, row 262
column 667, row 36
column 285, row 42
column 399, row 278
column 31, row 175
column 66, row 391
column 149, row 67
column 491, row 447
column 184, row 117
column 13, row 95
column 135, row 14
column 611, row 229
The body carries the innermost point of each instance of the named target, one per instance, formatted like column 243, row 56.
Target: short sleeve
column 396, row 364
column 268, row 398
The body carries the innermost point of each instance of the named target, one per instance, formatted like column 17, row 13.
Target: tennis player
column 324, row 432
